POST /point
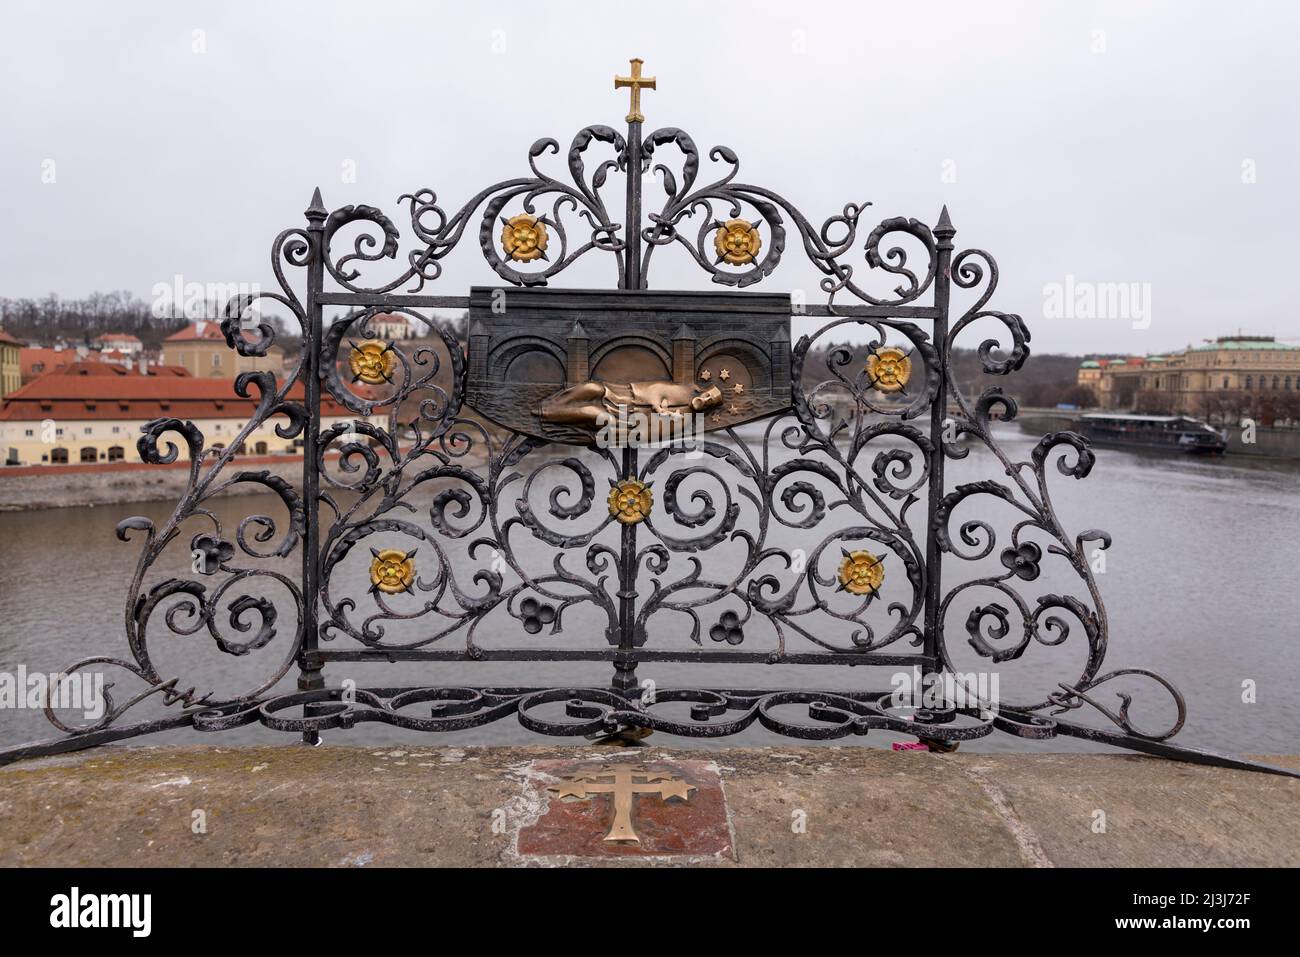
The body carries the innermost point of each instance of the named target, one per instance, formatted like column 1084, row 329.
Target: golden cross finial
column 635, row 81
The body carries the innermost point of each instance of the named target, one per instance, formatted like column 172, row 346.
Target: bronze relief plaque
column 561, row 364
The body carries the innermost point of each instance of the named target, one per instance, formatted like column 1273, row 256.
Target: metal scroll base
column 607, row 711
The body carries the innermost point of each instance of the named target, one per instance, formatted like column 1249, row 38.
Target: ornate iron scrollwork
column 850, row 465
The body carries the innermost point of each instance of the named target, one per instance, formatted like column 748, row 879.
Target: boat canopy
column 1133, row 417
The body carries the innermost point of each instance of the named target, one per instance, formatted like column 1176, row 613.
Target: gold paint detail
column 372, row 362
column 524, row 238
column 737, row 242
column 636, row 82
column 624, row 782
column 392, row 571
column 630, row 501
column 888, row 369
column 861, row 572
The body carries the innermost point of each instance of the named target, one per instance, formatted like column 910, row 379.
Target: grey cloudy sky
column 1117, row 156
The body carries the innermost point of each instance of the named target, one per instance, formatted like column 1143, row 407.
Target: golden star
column 676, row 789
column 576, row 789
column 706, row 375
column 724, row 375
column 739, row 387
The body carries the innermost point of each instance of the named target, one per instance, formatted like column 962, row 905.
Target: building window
column 1250, row 382
column 1274, row 382
column 216, row 360
column 116, row 453
column 89, row 454
column 28, row 433
column 86, row 430
column 117, row 429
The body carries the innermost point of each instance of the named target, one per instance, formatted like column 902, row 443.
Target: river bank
column 34, row 487
column 775, row 807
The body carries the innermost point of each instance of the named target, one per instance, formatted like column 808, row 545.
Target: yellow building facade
column 67, row 417
column 201, row 350
column 11, row 375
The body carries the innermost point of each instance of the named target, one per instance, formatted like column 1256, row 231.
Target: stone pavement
column 438, row 806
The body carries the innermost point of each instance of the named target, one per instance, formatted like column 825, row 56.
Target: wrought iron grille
column 694, row 540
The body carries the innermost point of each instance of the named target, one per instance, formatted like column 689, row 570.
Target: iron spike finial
column 944, row 230
column 945, row 222
column 316, row 212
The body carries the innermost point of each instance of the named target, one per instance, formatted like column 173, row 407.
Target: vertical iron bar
column 310, row 677
column 944, row 232
column 625, row 665
column 632, row 231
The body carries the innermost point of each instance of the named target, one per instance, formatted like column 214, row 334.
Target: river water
column 1201, row 585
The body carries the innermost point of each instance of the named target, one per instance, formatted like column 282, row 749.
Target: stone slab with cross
column 619, row 806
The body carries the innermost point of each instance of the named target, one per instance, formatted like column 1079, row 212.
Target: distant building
column 127, row 360
column 391, row 326
column 93, row 412
column 1193, row 381
column 34, row 361
column 10, row 365
column 1090, row 374
column 200, row 348
column 119, row 342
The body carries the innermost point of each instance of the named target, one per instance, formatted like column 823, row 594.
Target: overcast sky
column 1133, row 142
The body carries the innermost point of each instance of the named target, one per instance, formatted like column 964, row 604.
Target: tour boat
column 1174, row 432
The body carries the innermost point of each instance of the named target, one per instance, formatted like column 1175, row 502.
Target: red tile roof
column 142, row 397
column 47, row 359
column 210, row 331
column 116, row 337
column 92, row 367
column 5, row 337
column 206, row 331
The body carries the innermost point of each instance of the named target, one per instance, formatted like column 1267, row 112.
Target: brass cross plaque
column 624, row 782
column 628, row 805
